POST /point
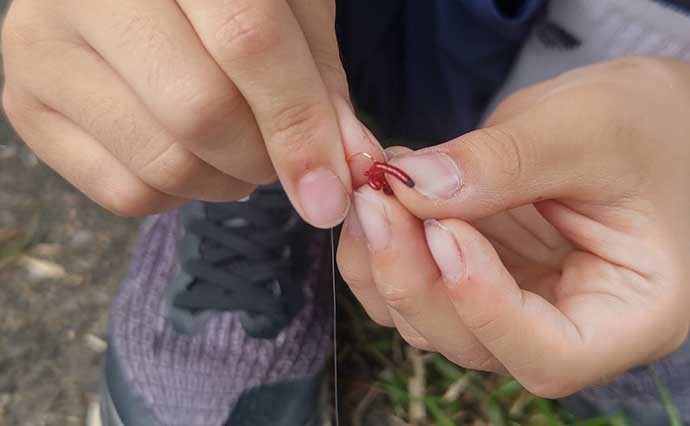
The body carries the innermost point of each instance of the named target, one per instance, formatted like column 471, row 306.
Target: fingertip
column 323, row 198
column 469, row 263
column 445, row 251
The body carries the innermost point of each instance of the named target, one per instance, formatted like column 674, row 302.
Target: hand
column 560, row 254
column 144, row 105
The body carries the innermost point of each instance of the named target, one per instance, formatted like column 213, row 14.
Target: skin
column 558, row 247
column 561, row 255
column 146, row 105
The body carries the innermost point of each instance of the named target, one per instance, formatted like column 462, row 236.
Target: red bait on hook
column 377, row 174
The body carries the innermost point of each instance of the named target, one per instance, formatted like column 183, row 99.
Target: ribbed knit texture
column 194, row 380
column 606, row 29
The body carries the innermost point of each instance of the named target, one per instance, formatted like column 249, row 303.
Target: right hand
column 144, row 105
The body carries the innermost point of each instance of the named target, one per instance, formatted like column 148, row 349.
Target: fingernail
column 372, row 218
column 323, row 198
column 390, row 154
column 435, row 174
column 352, row 225
column 445, row 251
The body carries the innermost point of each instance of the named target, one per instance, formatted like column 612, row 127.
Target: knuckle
column 504, row 150
column 206, row 107
column 354, row 275
column 146, row 34
column 330, row 66
column 295, row 125
column 108, row 119
column 487, row 362
column 172, row 170
column 473, row 358
column 399, row 299
column 247, row 30
column 335, row 77
column 485, row 324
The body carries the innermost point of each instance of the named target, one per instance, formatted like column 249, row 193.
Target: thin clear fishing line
column 335, row 337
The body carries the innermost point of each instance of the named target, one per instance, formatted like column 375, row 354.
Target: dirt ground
column 61, row 260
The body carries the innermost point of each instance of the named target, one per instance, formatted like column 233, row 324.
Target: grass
column 379, row 371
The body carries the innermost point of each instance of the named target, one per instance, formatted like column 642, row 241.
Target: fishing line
column 335, row 338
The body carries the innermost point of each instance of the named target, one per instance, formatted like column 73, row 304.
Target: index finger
column 260, row 46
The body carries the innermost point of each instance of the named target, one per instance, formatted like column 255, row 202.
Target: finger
column 357, row 140
column 102, row 104
column 523, row 230
column 409, row 280
column 317, row 21
column 409, row 334
column 260, row 46
column 353, row 264
column 535, row 341
column 539, row 154
column 154, row 49
column 77, row 157
column 316, row 18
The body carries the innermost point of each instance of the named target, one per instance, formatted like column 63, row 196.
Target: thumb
column 317, row 20
column 544, row 152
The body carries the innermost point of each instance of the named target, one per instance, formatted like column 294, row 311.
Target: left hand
column 560, row 254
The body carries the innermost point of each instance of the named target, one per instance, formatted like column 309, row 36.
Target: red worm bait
column 377, row 174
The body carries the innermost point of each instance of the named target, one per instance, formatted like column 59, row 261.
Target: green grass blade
column 671, row 409
column 437, row 412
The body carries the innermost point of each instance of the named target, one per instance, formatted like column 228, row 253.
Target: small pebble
column 40, row 269
column 95, row 343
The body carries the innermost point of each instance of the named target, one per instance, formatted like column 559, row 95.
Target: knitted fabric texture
column 194, row 380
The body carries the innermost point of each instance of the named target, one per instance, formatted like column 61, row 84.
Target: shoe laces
column 244, row 256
